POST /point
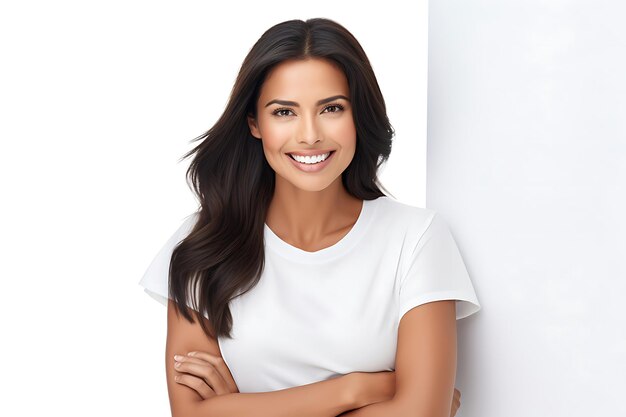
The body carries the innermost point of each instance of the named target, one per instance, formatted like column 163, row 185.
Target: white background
column 98, row 101
column 526, row 154
column 527, row 161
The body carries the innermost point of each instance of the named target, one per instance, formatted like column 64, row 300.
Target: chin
column 309, row 184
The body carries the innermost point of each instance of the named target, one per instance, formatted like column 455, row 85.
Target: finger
column 222, row 369
column 219, row 364
column 196, row 384
column 207, row 372
column 454, row 408
column 190, row 359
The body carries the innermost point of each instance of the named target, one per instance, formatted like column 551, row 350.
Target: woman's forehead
column 306, row 80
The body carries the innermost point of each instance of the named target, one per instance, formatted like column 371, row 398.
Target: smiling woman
column 309, row 286
column 304, row 131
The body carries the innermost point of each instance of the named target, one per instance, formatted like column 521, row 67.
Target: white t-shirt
column 317, row 315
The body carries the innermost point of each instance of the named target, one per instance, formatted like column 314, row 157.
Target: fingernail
column 191, row 353
column 178, row 357
column 176, row 378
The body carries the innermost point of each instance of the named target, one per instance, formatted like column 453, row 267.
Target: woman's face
column 304, row 108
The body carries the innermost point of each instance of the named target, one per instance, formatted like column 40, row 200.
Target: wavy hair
column 223, row 255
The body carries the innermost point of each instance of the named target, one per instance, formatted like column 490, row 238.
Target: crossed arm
column 426, row 359
column 424, row 384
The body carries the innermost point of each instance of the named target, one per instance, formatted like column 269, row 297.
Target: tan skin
column 310, row 211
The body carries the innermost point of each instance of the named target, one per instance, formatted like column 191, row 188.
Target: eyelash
column 339, row 106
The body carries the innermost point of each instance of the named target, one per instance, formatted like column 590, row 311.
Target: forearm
column 327, row 398
column 379, row 409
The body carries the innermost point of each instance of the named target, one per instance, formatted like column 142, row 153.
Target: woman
column 295, row 282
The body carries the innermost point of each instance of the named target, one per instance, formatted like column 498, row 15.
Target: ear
column 254, row 129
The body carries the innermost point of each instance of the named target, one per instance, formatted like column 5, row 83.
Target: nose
column 308, row 130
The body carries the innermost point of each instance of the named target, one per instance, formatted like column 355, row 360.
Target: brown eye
column 278, row 112
column 338, row 108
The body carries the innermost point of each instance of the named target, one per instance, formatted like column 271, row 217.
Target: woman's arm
column 426, row 359
column 320, row 399
column 379, row 394
column 327, row 398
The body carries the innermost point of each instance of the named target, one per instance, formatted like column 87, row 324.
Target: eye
column 278, row 113
column 339, row 108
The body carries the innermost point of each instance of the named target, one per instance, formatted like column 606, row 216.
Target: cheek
column 345, row 133
column 275, row 135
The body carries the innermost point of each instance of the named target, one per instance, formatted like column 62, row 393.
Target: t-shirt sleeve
column 155, row 279
column 434, row 270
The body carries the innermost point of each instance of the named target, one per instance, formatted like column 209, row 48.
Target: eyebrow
column 319, row 102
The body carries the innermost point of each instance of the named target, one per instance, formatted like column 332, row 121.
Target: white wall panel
column 526, row 159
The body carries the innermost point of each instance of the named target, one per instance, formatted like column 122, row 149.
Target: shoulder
column 412, row 220
column 404, row 211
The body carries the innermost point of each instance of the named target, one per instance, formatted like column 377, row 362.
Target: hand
column 207, row 374
column 456, row 402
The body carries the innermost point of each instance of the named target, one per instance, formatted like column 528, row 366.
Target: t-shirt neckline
column 350, row 239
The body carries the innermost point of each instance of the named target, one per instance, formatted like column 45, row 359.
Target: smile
column 312, row 159
column 313, row 163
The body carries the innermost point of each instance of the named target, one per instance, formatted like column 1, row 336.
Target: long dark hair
column 223, row 255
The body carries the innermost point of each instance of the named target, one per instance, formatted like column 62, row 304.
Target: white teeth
column 310, row 159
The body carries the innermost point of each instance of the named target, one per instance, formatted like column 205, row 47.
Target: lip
column 312, row 167
column 311, row 152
